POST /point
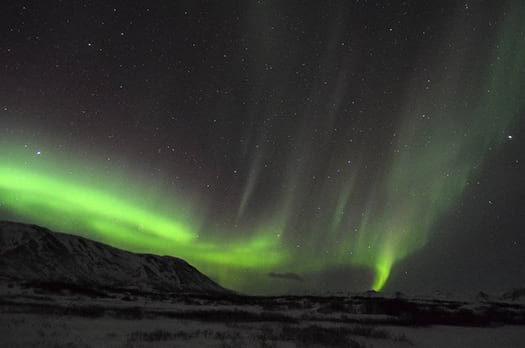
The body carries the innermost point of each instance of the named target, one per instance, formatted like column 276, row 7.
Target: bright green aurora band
column 433, row 160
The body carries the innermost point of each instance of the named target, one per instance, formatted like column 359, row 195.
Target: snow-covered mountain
column 33, row 254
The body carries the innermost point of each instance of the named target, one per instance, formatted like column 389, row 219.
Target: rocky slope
column 32, row 254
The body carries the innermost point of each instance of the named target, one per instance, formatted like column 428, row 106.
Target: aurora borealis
column 330, row 141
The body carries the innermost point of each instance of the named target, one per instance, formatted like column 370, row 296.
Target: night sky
column 278, row 146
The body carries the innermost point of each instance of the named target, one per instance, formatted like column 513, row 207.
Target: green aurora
column 66, row 201
column 433, row 160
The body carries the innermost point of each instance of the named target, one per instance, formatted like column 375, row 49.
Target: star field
column 352, row 144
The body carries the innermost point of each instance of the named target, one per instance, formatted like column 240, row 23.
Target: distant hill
column 35, row 255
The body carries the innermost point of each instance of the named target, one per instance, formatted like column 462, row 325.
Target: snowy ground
column 30, row 330
column 36, row 319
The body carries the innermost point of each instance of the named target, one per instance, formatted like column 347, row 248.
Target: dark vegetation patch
column 341, row 336
column 135, row 313
column 348, row 310
column 312, row 335
column 229, row 339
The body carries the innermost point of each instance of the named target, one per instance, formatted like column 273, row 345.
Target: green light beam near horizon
column 439, row 156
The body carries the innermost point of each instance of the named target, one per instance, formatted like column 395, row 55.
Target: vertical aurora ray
column 436, row 152
column 437, row 158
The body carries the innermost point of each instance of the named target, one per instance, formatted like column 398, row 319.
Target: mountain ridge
column 34, row 254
